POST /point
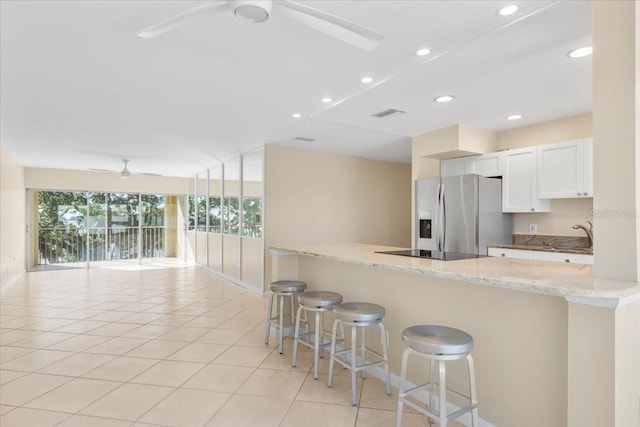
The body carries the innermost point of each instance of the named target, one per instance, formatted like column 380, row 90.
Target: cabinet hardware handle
column 533, row 209
column 567, row 260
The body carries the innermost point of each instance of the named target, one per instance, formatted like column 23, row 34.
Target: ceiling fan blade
column 147, row 173
column 332, row 25
column 179, row 20
column 103, row 170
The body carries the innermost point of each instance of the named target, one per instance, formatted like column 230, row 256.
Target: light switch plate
column 533, row 228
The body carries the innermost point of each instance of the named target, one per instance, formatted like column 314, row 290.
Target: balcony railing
column 67, row 245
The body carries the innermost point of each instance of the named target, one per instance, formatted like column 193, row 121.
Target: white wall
column 12, row 218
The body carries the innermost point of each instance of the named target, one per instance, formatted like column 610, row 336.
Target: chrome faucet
column 589, row 231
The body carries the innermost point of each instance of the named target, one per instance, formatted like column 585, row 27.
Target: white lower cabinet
column 541, row 255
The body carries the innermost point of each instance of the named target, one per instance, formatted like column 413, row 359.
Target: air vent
column 391, row 112
column 302, row 139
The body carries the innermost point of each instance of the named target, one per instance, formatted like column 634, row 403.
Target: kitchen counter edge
column 574, row 282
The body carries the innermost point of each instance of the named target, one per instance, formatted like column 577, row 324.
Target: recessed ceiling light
column 296, row 115
column 514, row 117
column 423, row 51
column 508, row 10
column 327, row 100
column 366, row 80
column 580, row 52
column 444, row 98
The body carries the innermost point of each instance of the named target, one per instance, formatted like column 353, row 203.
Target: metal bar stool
column 359, row 315
column 438, row 344
column 282, row 289
column 318, row 302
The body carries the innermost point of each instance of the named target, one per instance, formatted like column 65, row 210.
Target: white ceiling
column 79, row 90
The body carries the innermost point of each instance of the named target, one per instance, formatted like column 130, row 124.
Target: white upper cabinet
column 532, row 176
column 565, row 170
column 519, row 182
column 487, row 164
column 452, row 167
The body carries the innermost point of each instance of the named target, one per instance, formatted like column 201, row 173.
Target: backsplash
column 551, row 241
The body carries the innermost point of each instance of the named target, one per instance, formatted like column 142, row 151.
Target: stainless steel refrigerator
column 461, row 214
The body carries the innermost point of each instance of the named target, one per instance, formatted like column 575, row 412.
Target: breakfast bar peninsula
column 549, row 337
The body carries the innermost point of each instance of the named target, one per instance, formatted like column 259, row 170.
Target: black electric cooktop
column 442, row 256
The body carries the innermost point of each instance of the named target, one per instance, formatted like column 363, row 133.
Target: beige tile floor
column 161, row 346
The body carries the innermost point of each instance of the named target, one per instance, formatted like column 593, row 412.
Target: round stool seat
column 437, row 340
column 287, row 286
column 359, row 312
column 320, row 299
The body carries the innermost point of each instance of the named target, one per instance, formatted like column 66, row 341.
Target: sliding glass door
column 75, row 229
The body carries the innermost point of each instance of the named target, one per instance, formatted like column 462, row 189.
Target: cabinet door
column 488, row 164
column 541, row 255
column 560, row 170
column 562, row 257
column 519, row 193
column 565, row 170
column 509, row 253
column 451, row 167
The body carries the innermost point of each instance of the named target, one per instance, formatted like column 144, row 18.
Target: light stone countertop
column 574, row 282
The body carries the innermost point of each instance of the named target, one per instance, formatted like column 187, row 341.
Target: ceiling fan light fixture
column 254, row 11
column 423, row 51
column 124, row 174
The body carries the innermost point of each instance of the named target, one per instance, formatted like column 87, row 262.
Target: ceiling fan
column 256, row 11
column 124, row 173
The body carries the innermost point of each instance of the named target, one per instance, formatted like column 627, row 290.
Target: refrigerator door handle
column 439, row 217
column 443, row 224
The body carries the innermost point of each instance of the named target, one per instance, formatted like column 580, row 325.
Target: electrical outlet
column 533, row 228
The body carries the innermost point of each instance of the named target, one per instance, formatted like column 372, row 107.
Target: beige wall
column 12, row 218
column 316, row 197
column 63, row 179
column 564, row 129
column 564, row 213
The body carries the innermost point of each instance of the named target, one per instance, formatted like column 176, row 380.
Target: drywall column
column 615, row 135
column 604, row 341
